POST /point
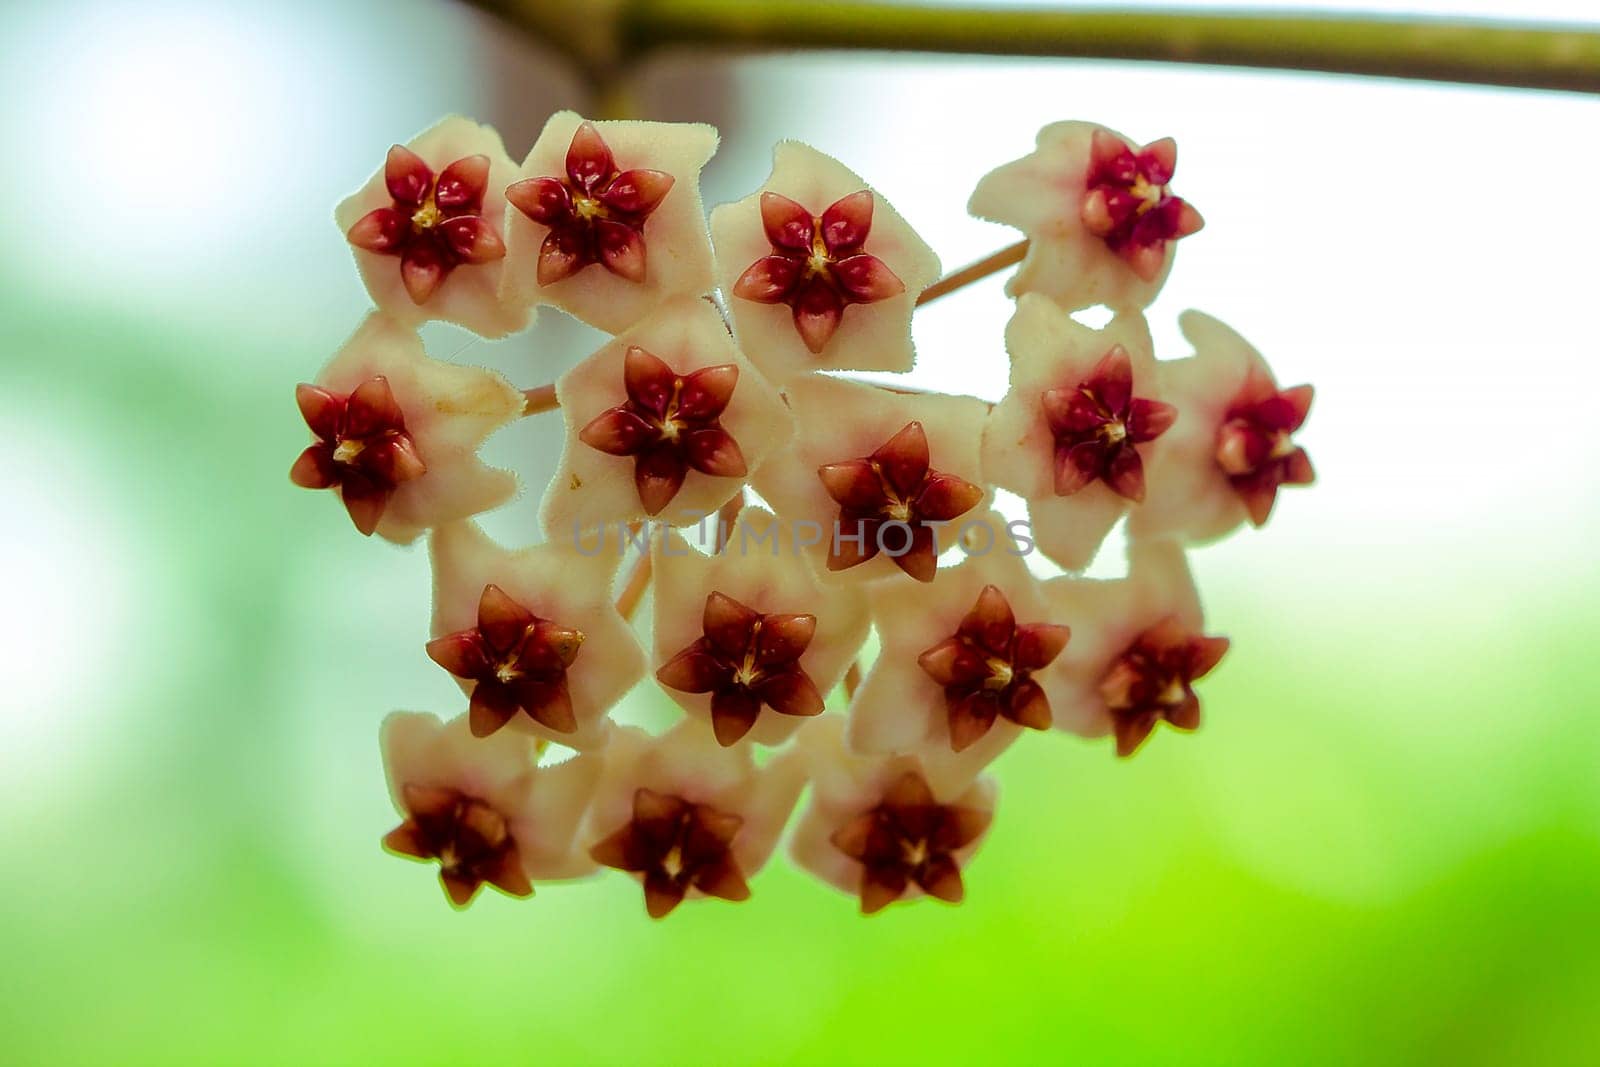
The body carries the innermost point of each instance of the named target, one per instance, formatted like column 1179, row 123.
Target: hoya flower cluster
column 785, row 512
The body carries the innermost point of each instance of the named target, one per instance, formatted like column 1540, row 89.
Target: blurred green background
column 1383, row 847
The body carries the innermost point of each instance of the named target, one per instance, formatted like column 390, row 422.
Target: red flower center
column 1128, row 205
column 888, row 501
column 670, row 423
column 986, row 668
column 1098, row 425
column 817, row 265
column 433, row 224
column 596, row 215
column 362, row 447
column 1254, row 448
column 468, row 838
column 909, row 839
column 1153, row 680
column 746, row 659
column 519, row 662
column 677, row 845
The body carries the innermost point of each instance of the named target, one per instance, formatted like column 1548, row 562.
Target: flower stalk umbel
column 881, row 515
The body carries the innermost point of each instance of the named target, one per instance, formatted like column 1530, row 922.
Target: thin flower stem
column 638, row 581
column 606, row 37
column 1006, row 257
column 727, row 515
column 540, row 398
column 852, row 679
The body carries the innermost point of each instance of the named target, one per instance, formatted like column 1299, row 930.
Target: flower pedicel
column 881, row 518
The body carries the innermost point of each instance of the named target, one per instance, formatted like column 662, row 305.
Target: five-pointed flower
column 607, row 219
column 957, row 672
column 481, row 809
column 748, row 636
column 829, row 290
column 1098, row 212
column 531, row 634
column 1230, row 448
column 879, row 829
column 688, row 817
column 397, row 433
column 664, row 421
column 670, row 423
column 1138, row 645
column 426, row 229
column 875, row 475
column 1070, row 435
column 817, row 266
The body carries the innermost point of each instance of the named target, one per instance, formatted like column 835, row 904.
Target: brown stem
column 638, row 582
column 1006, row 257
column 727, row 515
column 852, row 679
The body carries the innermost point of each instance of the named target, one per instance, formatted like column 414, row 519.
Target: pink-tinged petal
column 713, row 451
column 733, row 712
column 1186, row 714
column 492, row 706
column 769, row 279
column 790, row 693
column 406, row 176
column 1188, row 220
column 1149, row 419
column 1125, row 474
column 1146, row 260
column 921, row 559
column 1204, row 654
column 1241, row 449
column 852, row 484
column 1160, row 159
column 650, row 383
column 784, row 638
column 544, row 200
column 693, row 671
column 1038, row 644
column 1111, row 380
column 904, row 459
column 622, row 250
column 945, row 497
column 1258, row 499
column 1286, row 411
column 706, row 392
column 315, row 469
column 322, row 410
column 1077, row 466
column 960, row 827
column 971, row 717
column 463, row 183
column 422, row 271
column 1069, row 411
column 404, row 840
column 848, row 551
column 365, row 500
column 787, row 224
column 395, row 460
column 459, row 653
column 560, row 256
column 855, row 837
column 637, row 192
column 1297, row 468
column 622, row 851
column 501, row 620
column 589, row 160
column 941, row 878
column 563, row 642
column 548, row 702
column 846, row 223
column 1095, row 213
column 1028, row 706
column 618, row 432
column 727, row 624
column 1106, row 149
column 472, row 239
column 658, row 475
column 867, row 279
column 381, row 230
column 722, row 879
column 953, row 662
column 459, row 889
column 990, row 623
column 818, row 310
column 372, row 409
column 880, row 887
column 662, row 895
